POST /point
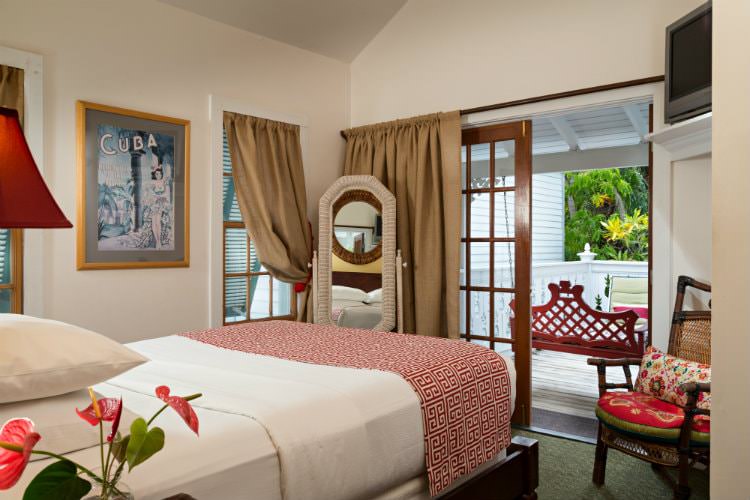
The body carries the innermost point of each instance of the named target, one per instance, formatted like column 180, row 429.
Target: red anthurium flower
column 115, row 422
column 180, row 405
column 108, row 410
column 17, row 432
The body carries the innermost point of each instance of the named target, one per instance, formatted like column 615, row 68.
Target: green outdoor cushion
column 628, row 292
column 648, row 433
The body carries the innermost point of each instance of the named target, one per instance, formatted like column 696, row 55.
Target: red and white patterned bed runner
column 464, row 389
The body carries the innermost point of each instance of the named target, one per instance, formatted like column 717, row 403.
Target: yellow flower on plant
column 600, row 199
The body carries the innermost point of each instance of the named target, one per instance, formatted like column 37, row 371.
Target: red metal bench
column 567, row 323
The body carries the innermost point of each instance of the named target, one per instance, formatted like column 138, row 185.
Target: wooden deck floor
column 564, row 383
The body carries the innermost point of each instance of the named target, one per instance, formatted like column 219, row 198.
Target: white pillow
column 41, row 358
column 347, row 293
column 375, row 297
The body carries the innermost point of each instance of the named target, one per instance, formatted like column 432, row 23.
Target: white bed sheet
column 269, row 425
column 358, row 314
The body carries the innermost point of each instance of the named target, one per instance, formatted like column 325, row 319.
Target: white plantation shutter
column 231, row 209
column 4, row 256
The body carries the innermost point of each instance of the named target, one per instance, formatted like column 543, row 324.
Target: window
column 11, row 271
column 250, row 292
column 11, row 240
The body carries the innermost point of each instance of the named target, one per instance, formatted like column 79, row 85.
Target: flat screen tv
column 688, row 70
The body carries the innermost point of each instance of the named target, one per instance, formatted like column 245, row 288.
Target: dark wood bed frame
column 364, row 281
column 515, row 477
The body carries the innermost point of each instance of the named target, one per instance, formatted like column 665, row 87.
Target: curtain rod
column 560, row 95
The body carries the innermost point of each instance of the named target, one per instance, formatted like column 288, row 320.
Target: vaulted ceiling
column 335, row 28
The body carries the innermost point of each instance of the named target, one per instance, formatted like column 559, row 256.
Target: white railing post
column 587, row 256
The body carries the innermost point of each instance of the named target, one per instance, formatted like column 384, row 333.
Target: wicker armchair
column 689, row 338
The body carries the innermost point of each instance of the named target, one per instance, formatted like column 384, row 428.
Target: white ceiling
column 336, row 28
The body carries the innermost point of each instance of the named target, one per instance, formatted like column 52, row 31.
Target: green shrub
column 607, row 208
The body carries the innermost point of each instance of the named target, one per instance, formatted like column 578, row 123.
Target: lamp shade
column 25, row 200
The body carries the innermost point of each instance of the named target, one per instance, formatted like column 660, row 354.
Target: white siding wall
column 548, row 224
column 547, row 217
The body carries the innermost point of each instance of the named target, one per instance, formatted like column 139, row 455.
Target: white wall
column 691, row 226
column 730, row 410
column 148, row 56
column 442, row 55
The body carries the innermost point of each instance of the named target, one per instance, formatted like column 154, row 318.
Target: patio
column 563, row 386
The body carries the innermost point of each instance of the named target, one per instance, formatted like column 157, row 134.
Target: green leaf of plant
column 59, row 481
column 119, row 447
column 143, row 442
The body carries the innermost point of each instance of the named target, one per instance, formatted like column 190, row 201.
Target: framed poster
column 133, row 181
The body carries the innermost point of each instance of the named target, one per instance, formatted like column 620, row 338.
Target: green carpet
column 565, row 468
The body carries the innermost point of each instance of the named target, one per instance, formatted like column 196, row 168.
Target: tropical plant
column 627, row 239
column 583, row 227
column 598, row 302
column 597, row 204
column 607, row 285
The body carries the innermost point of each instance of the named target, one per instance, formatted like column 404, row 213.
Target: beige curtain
column 419, row 160
column 270, row 183
column 11, row 89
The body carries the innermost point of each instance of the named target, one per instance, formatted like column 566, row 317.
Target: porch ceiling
column 613, row 126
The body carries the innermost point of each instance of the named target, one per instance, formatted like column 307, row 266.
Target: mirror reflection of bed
column 356, row 297
column 356, row 267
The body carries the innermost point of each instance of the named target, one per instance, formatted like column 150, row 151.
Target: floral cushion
column 662, row 374
column 648, row 417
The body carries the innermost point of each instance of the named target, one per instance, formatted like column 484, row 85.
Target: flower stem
column 19, row 449
column 60, row 457
column 109, row 462
column 153, row 417
column 101, row 451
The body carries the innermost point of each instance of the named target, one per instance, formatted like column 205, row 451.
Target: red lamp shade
column 25, row 200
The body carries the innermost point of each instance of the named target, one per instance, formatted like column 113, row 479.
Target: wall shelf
column 686, row 139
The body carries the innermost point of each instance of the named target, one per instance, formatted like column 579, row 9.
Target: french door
column 496, row 246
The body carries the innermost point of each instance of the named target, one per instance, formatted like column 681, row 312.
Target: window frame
column 218, row 104
column 15, row 283
column 248, row 274
column 26, row 247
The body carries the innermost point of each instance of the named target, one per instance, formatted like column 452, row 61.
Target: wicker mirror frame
column 339, row 251
column 327, row 212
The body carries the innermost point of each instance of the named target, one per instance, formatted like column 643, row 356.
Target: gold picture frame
column 133, row 207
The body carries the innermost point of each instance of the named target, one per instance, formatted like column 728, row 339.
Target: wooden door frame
column 650, row 267
column 520, row 133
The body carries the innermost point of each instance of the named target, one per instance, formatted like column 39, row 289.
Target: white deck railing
column 589, row 274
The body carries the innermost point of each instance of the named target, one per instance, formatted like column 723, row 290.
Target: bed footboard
column 515, row 477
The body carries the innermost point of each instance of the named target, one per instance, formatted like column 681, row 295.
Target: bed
column 350, row 300
column 274, row 428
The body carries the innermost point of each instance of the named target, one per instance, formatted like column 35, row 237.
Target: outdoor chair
column 647, row 427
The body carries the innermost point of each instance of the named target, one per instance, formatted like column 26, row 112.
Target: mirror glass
column 356, row 277
column 358, row 227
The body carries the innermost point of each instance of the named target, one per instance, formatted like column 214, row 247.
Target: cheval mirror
column 356, row 271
